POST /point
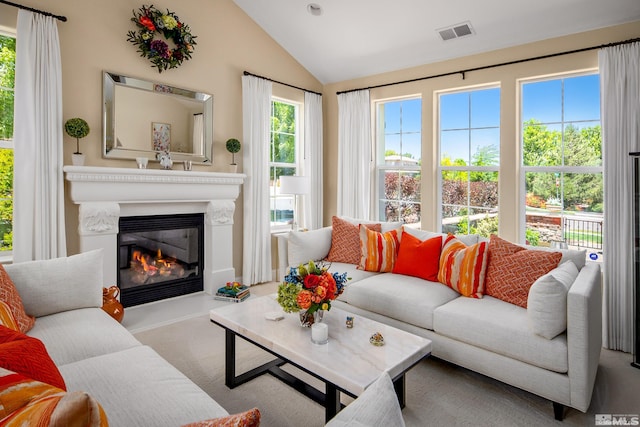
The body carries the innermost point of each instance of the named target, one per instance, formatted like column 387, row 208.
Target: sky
column 575, row 98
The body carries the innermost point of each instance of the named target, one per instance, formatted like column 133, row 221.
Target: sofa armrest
column 584, row 334
column 60, row 284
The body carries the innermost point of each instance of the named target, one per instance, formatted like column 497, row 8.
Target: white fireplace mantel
column 106, row 194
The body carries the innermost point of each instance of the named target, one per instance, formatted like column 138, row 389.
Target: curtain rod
column 246, row 73
column 517, row 61
column 30, row 9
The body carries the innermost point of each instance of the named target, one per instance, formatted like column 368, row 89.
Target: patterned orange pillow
column 6, row 317
column 345, row 241
column 250, row 418
column 378, row 250
column 28, row 356
column 513, row 269
column 27, row 402
column 9, row 295
column 463, row 267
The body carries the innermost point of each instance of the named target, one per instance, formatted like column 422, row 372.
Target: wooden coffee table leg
column 332, row 401
column 400, row 386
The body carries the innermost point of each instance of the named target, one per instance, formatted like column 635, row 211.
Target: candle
column 319, row 333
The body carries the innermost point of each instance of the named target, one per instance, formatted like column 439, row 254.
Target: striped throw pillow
column 378, row 251
column 463, row 267
column 27, row 402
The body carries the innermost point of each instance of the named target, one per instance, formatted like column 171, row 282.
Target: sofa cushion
column 28, row 356
column 10, row 295
column 405, row 298
column 547, row 301
column 578, row 257
column 141, row 386
column 376, row 406
column 463, row 267
column 78, row 334
column 345, row 241
column 73, row 282
column 305, row 246
column 27, row 402
column 502, row 328
column 378, row 251
column 512, row 270
column 419, row 258
column 250, row 418
column 6, row 317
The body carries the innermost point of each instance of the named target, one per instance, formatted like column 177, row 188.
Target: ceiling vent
column 456, row 31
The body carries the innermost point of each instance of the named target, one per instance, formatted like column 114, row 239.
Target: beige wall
column 507, row 77
column 229, row 42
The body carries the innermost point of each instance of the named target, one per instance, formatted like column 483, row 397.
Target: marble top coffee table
column 348, row 363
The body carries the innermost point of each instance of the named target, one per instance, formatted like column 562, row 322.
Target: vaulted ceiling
column 338, row 40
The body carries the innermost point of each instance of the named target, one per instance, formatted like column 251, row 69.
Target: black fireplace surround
column 159, row 257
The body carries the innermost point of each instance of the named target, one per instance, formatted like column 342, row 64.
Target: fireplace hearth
column 159, row 257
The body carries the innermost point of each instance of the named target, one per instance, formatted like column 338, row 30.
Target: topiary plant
column 77, row 128
column 233, row 146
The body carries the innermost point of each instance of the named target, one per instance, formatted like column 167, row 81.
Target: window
column 469, row 150
column 562, row 162
column 283, row 159
column 7, row 74
column 399, row 157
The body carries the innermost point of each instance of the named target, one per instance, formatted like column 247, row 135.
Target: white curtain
column 313, row 159
column 198, row 132
column 38, row 218
column 620, row 94
column 354, row 154
column 256, row 117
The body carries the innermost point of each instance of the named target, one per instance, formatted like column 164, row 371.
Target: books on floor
column 233, row 291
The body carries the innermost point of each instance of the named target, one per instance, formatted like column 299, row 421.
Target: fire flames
column 148, row 266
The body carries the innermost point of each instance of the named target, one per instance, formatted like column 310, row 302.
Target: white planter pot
column 77, row 159
column 233, row 168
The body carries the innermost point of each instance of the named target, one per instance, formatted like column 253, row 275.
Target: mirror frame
column 111, row 80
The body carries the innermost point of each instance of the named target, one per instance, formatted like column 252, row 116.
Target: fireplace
column 159, row 256
column 109, row 197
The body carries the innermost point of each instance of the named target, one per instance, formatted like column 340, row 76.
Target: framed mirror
column 143, row 118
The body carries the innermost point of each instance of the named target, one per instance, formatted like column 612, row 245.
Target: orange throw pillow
column 9, row 295
column 419, row 258
column 345, row 241
column 28, row 356
column 513, row 269
column 378, row 250
column 250, row 418
column 463, row 267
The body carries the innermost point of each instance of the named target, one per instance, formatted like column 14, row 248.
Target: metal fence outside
column 582, row 233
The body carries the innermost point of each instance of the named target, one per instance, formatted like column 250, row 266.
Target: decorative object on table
column 319, row 333
column 110, row 303
column 161, row 136
column 377, row 339
column 233, row 292
column 155, row 28
column 233, row 146
column 349, row 322
column 297, row 186
column 187, row 165
column 309, row 289
column 142, row 162
column 77, row 128
column 165, row 160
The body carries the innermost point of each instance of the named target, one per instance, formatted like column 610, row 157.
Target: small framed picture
column 161, row 136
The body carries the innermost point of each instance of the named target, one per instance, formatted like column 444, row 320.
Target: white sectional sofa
column 134, row 385
column 486, row 335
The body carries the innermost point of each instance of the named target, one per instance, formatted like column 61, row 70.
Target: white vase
column 233, row 168
column 77, row 159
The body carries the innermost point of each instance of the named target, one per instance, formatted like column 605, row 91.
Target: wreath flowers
column 151, row 22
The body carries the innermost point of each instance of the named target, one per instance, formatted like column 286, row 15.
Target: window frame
column 469, row 168
column 561, row 168
column 381, row 167
column 297, row 166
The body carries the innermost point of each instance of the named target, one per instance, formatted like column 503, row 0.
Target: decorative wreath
column 152, row 22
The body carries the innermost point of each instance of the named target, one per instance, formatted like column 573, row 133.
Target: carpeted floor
column 438, row 393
